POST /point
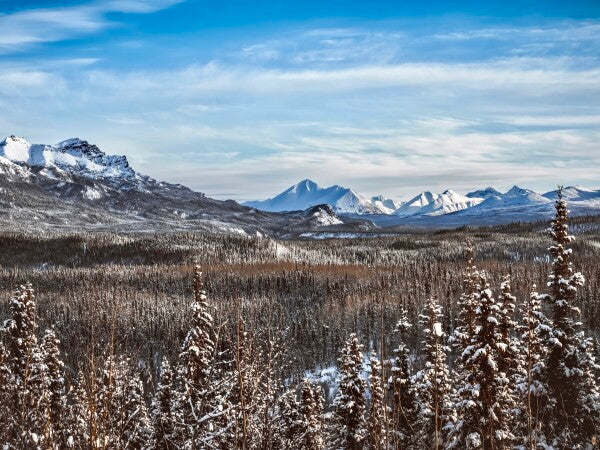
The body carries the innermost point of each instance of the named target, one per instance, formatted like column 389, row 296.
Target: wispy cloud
column 35, row 26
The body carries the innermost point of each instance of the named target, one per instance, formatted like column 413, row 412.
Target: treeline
column 476, row 378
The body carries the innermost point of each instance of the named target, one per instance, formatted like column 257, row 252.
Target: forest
column 478, row 338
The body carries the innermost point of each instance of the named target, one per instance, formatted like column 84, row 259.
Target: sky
column 242, row 99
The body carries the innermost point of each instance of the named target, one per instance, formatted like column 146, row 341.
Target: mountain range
column 73, row 185
column 426, row 208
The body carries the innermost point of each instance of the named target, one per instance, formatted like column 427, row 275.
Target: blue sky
column 242, row 99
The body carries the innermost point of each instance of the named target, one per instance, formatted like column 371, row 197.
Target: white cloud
column 35, row 26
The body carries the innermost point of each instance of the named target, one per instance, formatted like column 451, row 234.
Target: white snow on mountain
column 448, row 202
column 307, row 193
column 575, row 194
column 384, row 204
column 484, row 193
column 323, row 216
column 71, row 156
column 515, row 203
column 411, row 207
column 428, row 204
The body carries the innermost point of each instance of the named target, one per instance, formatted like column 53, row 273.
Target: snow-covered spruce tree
column 6, row 390
column 123, row 416
column 573, row 414
column 238, row 400
column 137, row 430
column 402, row 429
column 165, row 417
column 349, row 424
column 464, row 329
column 508, row 355
column 376, row 425
column 28, row 401
column 196, row 401
column 482, row 396
column 289, row 420
column 432, row 383
column 263, row 424
column 81, row 415
column 57, row 431
column 311, row 411
column 529, row 387
column 508, row 345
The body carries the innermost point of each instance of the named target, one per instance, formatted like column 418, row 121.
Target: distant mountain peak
column 516, row 190
column 305, row 185
column 307, row 193
column 484, row 193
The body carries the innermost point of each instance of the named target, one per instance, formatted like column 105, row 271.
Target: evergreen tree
column 311, row 410
column 508, row 345
column 290, row 420
column 57, row 431
column 465, row 326
column 507, row 351
column 573, row 416
column 195, row 370
column 433, row 381
column 136, row 431
column 122, row 414
column 6, row 391
column 164, row 415
column 349, row 404
column 25, row 361
column 481, row 392
column 268, row 384
column 529, row 384
column 82, row 416
column 404, row 405
column 376, row 425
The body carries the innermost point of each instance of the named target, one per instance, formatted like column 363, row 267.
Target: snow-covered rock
column 322, row 216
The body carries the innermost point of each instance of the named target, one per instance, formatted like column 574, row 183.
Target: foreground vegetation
column 446, row 360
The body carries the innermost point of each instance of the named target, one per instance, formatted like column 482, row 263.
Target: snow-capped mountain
column 411, row 207
column 484, row 193
column 307, row 193
column 575, row 194
column 517, row 204
column 384, row 204
column 428, row 204
column 71, row 156
column 516, row 196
